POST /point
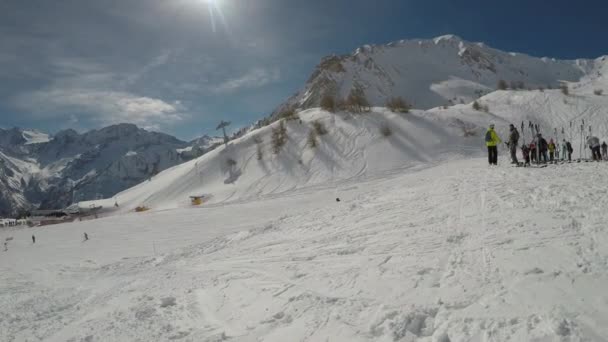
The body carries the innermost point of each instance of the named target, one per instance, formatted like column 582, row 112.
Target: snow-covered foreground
column 455, row 252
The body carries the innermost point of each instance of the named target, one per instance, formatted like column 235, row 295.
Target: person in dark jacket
column 513, row 143
column 570, row 150
column 33, row 239
column 543, row 147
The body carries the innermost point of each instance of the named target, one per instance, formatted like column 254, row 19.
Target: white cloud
column 254, row 78
column 104, row 107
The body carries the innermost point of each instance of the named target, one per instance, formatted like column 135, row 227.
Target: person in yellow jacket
column 492, row 142
column 551, row 150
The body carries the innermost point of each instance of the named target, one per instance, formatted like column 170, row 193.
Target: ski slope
column 452, row 252
column 353, row 148
column 426, row 243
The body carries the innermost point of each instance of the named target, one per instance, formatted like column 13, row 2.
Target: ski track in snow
column 459, row 250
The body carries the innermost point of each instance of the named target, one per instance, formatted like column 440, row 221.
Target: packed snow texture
column 455, row 252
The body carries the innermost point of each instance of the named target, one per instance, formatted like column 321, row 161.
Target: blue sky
column 180, row 66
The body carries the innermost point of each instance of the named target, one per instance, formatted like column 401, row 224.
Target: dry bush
column 356, row 101
column 289, row 114
column 230, row 162
column 564, row 88
column 398, row 105
column 502, row 85
column 328, row 103
column 598, row 92
column 481, row 108
column 319, row 128
column 476, row 106
column 312, row 139
column 260, row 152
column 386, row 130
column 278, row 137
column 341, row 105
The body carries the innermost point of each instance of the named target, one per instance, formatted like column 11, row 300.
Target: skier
column 86, row 237
column 594, row 144
column 605, row 150
column 551, row 150
column 5, row 246
column 492, row 141
column 33, row 239
column 542, row 145
column 513, row 143
column 570, row 150
column 533, row 151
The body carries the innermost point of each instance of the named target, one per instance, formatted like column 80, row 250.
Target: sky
column 181, row 66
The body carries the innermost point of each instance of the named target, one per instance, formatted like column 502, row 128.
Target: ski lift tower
column 223, row 124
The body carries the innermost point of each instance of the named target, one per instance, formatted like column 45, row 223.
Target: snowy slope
column 551, row 110
column 354, row 148
column 431, row 73
column 456, row 252
column 35, row 137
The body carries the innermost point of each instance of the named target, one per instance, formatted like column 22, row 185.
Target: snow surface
column 35, row 137
column 454, row 252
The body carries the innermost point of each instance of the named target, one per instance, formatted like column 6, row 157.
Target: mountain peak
column 447, row 38
column 430, row 73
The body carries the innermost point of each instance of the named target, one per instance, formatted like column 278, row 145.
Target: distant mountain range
column 42, row 171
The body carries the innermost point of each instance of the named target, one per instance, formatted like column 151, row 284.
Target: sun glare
column 215, row 13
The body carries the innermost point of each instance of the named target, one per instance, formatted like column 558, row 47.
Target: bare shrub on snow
column 312, row 139
column 260, row 152
column 328, row 103
column 289, row 114
column 502, row 85
column 279, row 137
column 398, row 105
column 319, row 128
column 356, row 101
column 386, row 130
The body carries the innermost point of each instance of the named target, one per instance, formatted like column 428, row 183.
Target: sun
column 215, row 13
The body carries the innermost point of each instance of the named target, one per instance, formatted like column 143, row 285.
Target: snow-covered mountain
column 429, row 73
column 39, row 171
column 360, row 145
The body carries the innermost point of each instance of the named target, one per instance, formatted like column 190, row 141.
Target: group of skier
column 539, row 150
column 86, row 238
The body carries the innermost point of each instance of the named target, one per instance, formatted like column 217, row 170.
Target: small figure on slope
column 86, row 237
column 605, row 151
column 33, row 239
